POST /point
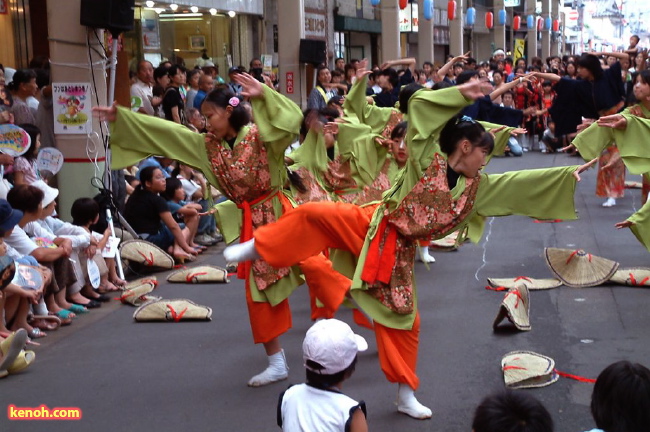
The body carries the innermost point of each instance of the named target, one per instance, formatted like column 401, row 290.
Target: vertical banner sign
column 4, row 7
column 290, row 82
column 520, row 46
column 72, row 108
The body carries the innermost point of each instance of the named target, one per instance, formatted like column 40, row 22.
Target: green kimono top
column 421, row 205
column 632, row 143
column 355, row 166
column 251, row 173
column 381, row 120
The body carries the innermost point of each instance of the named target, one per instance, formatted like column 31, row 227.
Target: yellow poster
column 520, row 49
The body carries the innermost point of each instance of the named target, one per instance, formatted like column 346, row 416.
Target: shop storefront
column 225, row 33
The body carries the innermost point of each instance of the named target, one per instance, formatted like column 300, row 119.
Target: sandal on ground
column 11, row 348
column 64, row 315
column 24, row 359
column 46, row 324
column 92, row 304
column 103, row 298
column 37, row 333
column 105, row 288
column 77, row 309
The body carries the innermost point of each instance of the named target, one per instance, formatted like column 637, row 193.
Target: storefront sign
column 408, row 18
column 290, row 82
column 511, row 3
column 314, row 25
column 4, row 7
column 519, row 51
column 72, row 110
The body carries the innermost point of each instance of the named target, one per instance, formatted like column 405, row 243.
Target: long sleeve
column 136, row 136
column 632, row 142
column 545, row 193
column 278, row 120
column 312, row 154
column 500, row 138
column 641, row 227
column 356, row 106
column 357, row 144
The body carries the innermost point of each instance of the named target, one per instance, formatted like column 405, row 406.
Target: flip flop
column 47, row 325
column 64, row 315
column 22, row 361
column 77, row 309
column 11, row 348
column 37, row 333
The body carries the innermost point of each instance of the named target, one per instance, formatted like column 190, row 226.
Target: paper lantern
column 540, row 23
column 470, row 16
column 530, row 21
column 556, row 25
column 501, row 17
column 516, row 22
column 451, row 10
column 428, row 9
column 403, row 4
column 375, row 2
column 489, row 20
column 547, row 23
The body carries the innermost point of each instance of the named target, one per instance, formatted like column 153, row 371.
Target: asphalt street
column 128, row 376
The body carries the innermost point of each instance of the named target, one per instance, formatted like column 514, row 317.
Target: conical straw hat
column 137, row 282
column 173, row 310
column 449, row 242
column 199, row 274
column 516, row 307
column 137, row 295
column 531, row 283
column 639, row 277
column 527, row 369
column 145, row 253
column 577, row 268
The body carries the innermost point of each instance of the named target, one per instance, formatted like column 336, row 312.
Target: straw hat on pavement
column 577, row 268
column 531, row 283
column 516, row 307
column 639, row 277
column 527, row 369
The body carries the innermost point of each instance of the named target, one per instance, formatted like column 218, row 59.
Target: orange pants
column 313, row 227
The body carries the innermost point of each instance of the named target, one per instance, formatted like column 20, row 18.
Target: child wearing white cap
column 330, row 353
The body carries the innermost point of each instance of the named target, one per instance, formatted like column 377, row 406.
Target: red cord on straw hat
column 499, row 288
column 641, row 283
column 518, row 294
column 575, row 377
column 518, row 278
column 574, row 254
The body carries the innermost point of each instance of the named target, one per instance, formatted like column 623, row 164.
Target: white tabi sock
column 424, row 255
column 409, row 405
column 277, row 371
column 241, row 252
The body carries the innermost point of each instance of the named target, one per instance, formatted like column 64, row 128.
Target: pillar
column 557, row 40
column 499, row 30
column 425, row 37
column 291, row 28
column 531, row 34
column 390, row 37
column 70, row 63
column 546, row 33
column 456, row 30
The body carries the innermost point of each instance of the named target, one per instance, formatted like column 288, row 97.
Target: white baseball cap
column 49, row 192
column 333, row 345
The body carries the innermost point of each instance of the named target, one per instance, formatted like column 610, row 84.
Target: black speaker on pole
column 312, row 51
column 113, row 15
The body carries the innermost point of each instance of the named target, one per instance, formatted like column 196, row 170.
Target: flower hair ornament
column 233, row 101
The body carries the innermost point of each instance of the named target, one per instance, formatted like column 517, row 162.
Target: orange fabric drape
column 398, row 353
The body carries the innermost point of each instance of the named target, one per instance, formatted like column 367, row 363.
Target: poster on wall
column 72, row 108
column 4, row 7
column 150, row 31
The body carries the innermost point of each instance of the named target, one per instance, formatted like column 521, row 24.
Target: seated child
column 85, row 212
column 182, row 211
column 512, row 411
column 330, row 353
column 621, row 398
column 550, row 143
